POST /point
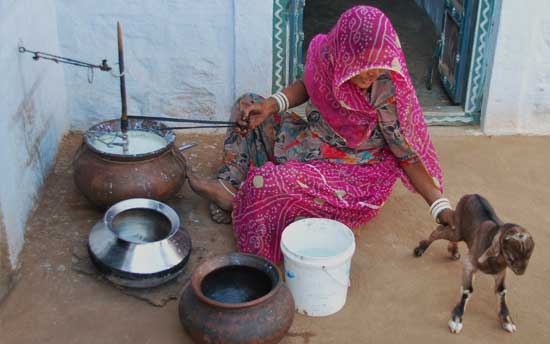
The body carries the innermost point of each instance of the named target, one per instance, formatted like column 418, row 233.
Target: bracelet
column 225, row 187
column 438, row 206
column 282, row 101
column 438, row 202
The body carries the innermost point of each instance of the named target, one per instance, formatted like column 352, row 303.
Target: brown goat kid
column 493, row 246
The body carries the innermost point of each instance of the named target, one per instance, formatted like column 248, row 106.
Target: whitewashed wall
column 517, row 99
column 34, row 117
column 186, row 58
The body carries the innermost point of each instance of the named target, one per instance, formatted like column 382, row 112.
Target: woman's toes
column 216, row 218
column 219, row 215
column 227, row 219
column 214, row 209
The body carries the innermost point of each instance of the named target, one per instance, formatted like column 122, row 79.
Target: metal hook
column 104, row 66
column 90, row 75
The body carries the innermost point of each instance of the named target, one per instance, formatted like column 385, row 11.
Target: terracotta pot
column 106, row 179
column 236, row 298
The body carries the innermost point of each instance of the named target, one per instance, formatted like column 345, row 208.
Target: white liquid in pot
column 138, row 142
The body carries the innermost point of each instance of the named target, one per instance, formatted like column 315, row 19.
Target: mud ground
column 394, row 297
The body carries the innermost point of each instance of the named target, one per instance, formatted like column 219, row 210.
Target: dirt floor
column 414, row 27
column 394, row 297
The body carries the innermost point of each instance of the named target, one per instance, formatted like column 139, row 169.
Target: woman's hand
column 255, row 114
column 446, row 217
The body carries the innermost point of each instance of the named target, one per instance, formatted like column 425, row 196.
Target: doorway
column 444, row 41
column 417, row 33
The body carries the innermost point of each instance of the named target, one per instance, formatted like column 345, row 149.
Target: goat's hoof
column 508, row 325
column 419, row 251
column 455, row 256
column 455, row 325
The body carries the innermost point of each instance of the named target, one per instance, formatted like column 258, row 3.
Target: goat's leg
column 453, row 250
column 503, row 313
column 455, row 324
column 442, row 232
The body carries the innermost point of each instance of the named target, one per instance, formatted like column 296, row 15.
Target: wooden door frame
column 288, row 38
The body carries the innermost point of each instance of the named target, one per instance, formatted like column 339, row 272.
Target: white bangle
column 286, row 101
column 438, row 210
column 282, row 101
column 438, row 206
column 438, row 202
column 221, row 181
column 279, row 101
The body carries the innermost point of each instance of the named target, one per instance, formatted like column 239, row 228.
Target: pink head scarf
column 364, row 38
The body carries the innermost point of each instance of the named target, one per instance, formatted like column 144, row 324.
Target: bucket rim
column 316, row 261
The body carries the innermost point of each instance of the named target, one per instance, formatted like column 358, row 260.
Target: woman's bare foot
column 222, row 200
column 219, row 215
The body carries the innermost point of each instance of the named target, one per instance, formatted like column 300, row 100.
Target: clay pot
column 106, row 179
column 236, row 298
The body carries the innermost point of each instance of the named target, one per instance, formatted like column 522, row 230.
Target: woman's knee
column 277, row 178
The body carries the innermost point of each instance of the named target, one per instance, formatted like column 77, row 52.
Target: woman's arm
column 422, row 182
column 382, row 97
column 296, row 93
column 425, row 186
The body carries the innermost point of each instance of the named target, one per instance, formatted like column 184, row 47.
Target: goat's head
column 516, row 246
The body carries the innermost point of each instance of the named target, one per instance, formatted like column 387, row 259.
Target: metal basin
column 139, row 243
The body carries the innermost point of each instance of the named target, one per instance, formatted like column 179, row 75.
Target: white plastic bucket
column 317, row 261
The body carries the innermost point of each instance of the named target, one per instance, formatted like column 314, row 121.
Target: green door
column 459, row 21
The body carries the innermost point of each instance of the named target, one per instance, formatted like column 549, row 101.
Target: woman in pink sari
column 364, row 130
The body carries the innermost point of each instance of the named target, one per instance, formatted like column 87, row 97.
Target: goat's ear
column 491, row 251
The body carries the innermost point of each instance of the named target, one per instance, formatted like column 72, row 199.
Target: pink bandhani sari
column 275, row 195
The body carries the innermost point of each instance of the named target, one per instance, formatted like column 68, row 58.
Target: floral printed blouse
column 319, row 141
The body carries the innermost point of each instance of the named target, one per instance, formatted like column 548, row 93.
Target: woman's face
column 365, row 79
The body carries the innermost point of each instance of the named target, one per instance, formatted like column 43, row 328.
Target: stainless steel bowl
column 139, row 243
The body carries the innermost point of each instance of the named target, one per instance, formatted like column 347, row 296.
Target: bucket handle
column 347, row 284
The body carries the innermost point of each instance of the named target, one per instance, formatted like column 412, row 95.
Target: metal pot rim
column 133, row 124
column 232, row 259
column 142, row 203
